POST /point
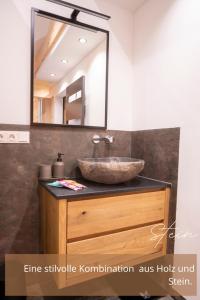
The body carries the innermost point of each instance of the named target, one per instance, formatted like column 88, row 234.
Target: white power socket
column 14, row 137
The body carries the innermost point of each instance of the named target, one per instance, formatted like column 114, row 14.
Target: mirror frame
column 74, row 22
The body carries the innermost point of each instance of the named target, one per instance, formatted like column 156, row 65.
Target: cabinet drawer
column 139, row 241
column 106, row 214
column 128, row 248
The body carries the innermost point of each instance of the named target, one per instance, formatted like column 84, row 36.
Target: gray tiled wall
column 160, row 149
column 19, row 209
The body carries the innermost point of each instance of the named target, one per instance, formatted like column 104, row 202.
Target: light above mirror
column 64, row 61
column 69, row 72
column 82, row 40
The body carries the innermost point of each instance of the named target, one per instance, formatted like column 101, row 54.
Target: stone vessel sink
column 110, row 170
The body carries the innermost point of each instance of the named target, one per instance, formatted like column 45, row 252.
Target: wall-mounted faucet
column 107, row 139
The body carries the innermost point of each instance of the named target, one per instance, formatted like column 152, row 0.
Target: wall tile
column 19, row 205
column 160, row 149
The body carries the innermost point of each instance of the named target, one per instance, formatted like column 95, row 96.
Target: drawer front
column 128, row 248
column 101, row 215
column 139, row 241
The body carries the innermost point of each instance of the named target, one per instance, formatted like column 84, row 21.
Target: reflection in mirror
column 69, row 74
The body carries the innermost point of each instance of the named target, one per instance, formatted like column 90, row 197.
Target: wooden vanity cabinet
column 118, row 224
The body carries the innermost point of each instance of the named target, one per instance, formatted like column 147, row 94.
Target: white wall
column 167, row 94
column 15, row 58
column 93, row 67
column 58, row 110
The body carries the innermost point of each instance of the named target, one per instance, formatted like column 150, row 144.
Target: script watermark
column 159, row 231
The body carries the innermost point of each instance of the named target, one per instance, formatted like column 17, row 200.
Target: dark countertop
column 138, row 184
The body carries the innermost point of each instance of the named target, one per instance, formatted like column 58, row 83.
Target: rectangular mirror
column 69, row 76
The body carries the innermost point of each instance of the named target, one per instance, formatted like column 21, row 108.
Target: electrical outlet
column 3, row 137
column 14, row 137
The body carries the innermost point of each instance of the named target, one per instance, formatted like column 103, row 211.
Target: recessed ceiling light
column 82, row 40
column 64, row 61
column 52, row 75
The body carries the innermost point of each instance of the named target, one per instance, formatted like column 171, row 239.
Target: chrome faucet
column 107, row 139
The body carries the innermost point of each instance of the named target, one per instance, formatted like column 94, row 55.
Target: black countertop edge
column 139, row 184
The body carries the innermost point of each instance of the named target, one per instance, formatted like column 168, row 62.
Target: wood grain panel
column 127, row 248
column 166, row 218
column 53, row 223
column 77, row 278
column 105, row 214
column 135, row 241
column 53, row 231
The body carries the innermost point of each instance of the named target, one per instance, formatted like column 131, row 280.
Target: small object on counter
column 55, row 184
column 70, row 184
column 45, row 172
column 59, row 167
column 73, row 185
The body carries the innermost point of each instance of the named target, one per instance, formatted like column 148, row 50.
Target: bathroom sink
column 110, row 170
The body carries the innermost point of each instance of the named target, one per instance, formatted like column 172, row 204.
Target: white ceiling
column 68, row 48
column 65, row 50
column 128, row 4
